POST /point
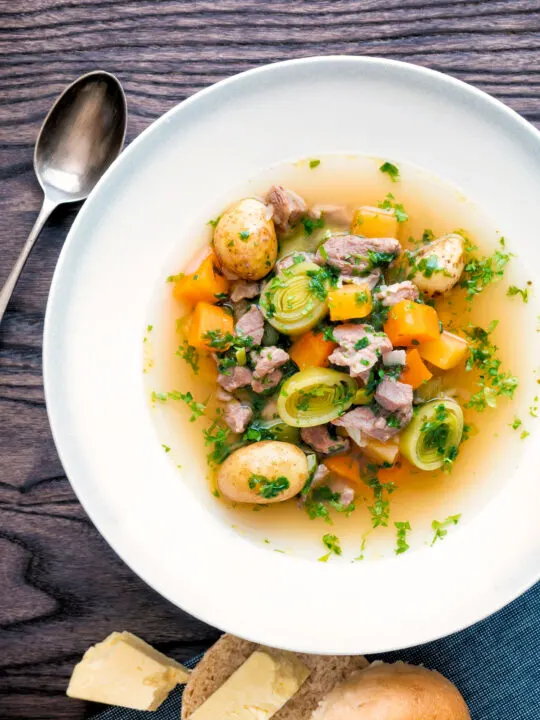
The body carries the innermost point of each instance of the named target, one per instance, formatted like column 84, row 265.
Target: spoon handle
column 6, row 292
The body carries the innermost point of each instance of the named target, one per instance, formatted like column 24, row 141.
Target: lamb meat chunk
column 288, row 207
column 290, row 260
column 339, row 214
column 365, row 420
column 370, row 280
column 344, row 490
column 268, row 360
column 359, row 348
column 251, row 325
column 393, row 395
column 353, row 254
column 236, row 377
column 224, row 396
column 242, row 290
column 321, row 441
column 390, row 295
column 237, row 416
column 320, row 475
column 268, row 382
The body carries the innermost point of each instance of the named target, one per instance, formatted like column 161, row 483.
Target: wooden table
column 61, row 587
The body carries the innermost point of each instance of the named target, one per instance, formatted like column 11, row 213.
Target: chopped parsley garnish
column 402, row 529
column 379, row 259
column 440, row 528
column 393, row 421
column 361, row 298
column 525, row 434
column 379, row 315
column 166, row 448
column 214, row 222
column 268, row 488
column 257, row 432
column 399, row 211
column 314, row 163
column 197, row 408
column 190, row 355
column 332, row 543
column 244, row 234
column 149, row 328
column 321, row 498
column 380, row 510
column 221, row 296
column 174, row 278
column 516, row 424
column 311, row 224
column 513, row 290
column 533, row 410
column 217, row 435
column 491, row 381
column 436, row 434
column 391, row 170
column 362, row 343
column 219, row 340
column 320, row 280
column 481, row 272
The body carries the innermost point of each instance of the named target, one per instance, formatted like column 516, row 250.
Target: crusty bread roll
column 230, row 652
column 393, row 692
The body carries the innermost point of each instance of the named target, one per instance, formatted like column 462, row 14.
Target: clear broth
column 486, row 461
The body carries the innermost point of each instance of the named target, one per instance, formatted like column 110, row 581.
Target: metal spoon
column 80, row 137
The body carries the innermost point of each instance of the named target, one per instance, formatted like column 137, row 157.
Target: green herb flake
column 533, row 410
column 174, row 278
column 524, row 435
column 149, row 328
column 217, row 436
column 513, row 290
column 311, row 224
column 402, row 529
column 159, row 396
column 244, row 234
column 332, row 543
column 481, row 272
column 166, row 448
column 492, row 382
column 214, row 222
column 516, row 424
column 216, row 493
column 391, row 170
column 399, row 211
column 314, row 163
column 440, row 528
column 361, row 298
column 197, row 408
column 190, row 355
column 267, row 488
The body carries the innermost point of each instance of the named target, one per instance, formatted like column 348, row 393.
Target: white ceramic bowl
column 149, row 203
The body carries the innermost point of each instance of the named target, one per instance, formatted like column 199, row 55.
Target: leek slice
column 433, row 436
column 292, row 302
column 315, row 396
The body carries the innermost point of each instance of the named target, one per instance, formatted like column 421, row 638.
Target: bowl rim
column 53, row 409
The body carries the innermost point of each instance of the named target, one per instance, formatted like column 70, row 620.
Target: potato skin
column 251, row 257
column 450, row 253
column 270, row 459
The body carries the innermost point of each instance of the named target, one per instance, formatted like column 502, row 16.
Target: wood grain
column 62, row 588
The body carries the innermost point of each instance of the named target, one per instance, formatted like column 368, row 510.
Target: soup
column 344, row 352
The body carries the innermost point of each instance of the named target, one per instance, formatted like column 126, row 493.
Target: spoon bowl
column 80, row 137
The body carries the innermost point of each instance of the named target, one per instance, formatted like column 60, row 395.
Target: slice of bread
column 230, row 652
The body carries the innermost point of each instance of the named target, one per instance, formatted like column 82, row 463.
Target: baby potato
column 245, row 240
column 439, row 265
column 264, row 472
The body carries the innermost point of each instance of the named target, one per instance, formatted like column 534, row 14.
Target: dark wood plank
column 62, row 587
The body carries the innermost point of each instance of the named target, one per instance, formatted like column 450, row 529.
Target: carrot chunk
column 205, row 284
column 349, row 301
column 410, row 323
column 446, row 352
column 311, row 350
column 345, row 465
column 415, row 372
column 207, row 321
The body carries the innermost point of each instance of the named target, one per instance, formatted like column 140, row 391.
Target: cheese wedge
column 124, row 670
column 257, row 690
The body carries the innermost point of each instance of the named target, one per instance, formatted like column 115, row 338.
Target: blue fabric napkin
column 495, row 664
